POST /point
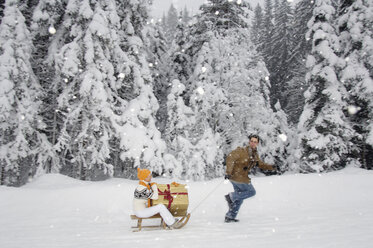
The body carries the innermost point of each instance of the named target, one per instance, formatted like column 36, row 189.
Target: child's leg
column 158, row 209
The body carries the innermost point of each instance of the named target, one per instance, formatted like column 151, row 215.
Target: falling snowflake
column 283, row 137
column 51, row 30
column 352, row 110
column 203, row 69
column 121, row 75
column 200, row 91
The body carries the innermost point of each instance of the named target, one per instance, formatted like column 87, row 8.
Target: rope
column 204, row 199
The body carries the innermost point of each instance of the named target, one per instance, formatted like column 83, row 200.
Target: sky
column 162, row 6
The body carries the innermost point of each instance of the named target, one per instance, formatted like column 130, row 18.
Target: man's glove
column 227, row 177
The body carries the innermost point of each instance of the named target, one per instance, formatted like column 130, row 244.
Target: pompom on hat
column 143, row 173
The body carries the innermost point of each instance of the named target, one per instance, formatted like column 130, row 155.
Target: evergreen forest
column 94, row 89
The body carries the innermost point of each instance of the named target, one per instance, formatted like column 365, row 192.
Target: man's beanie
column 142, row 173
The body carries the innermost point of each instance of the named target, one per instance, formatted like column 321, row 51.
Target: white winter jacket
column 142, row 194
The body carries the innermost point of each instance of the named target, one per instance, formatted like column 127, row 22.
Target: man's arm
column 264, row 166
column 231, row 159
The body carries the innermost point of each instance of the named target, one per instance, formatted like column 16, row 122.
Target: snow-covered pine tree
column 324, row 131
column 107, row 102
column 285, row 134
column 276, row 12
column 2, row 6
column 257, row 28
column 19, row 100
column 180, row 119
column 204, row 94
column 171, row 22
column 300, row 48
column 158, row 55
column 27, row 8
column 356, row 27
column 186, row 18
column 207, row 100
column 268, row 28
column 231, row 97
column 187, row 145
column 181, row 53
column 228, row 91
column 163, row 21
column 223, row 14
column 140, row 140
column 282, row 43
column 48, row 16
column 85, row 71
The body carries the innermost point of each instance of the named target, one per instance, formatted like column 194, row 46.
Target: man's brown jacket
column 240, row 161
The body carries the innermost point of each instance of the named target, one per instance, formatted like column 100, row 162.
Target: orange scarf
column 148, row 186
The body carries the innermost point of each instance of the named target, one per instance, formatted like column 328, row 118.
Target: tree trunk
column 2, row 174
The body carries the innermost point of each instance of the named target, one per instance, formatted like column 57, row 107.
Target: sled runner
column 175, row 197
column 183, row 219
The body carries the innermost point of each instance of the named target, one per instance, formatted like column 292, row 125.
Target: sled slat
column 139, row 225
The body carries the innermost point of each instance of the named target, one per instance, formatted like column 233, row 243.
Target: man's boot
column 230, row 220
column 229, row 201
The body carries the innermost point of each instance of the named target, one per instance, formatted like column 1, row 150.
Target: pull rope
column 204, row 199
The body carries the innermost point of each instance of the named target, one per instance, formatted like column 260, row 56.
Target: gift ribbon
column 168, row 195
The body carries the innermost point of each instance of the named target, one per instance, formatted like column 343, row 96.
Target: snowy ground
column 328, row 210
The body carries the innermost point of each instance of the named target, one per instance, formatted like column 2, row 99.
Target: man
column 239, row 163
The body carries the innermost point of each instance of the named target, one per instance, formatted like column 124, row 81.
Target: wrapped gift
column 174, row 196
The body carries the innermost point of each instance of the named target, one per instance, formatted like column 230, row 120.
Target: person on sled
column 239, row 163
column 146, row 191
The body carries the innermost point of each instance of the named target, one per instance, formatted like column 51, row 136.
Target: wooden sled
column 183, row 219
column 175, row 197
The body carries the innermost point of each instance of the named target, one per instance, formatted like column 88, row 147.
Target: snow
column 352, row 110
column 283, row 137
column 314, row 210
column 52, row 30
column 200, row 91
